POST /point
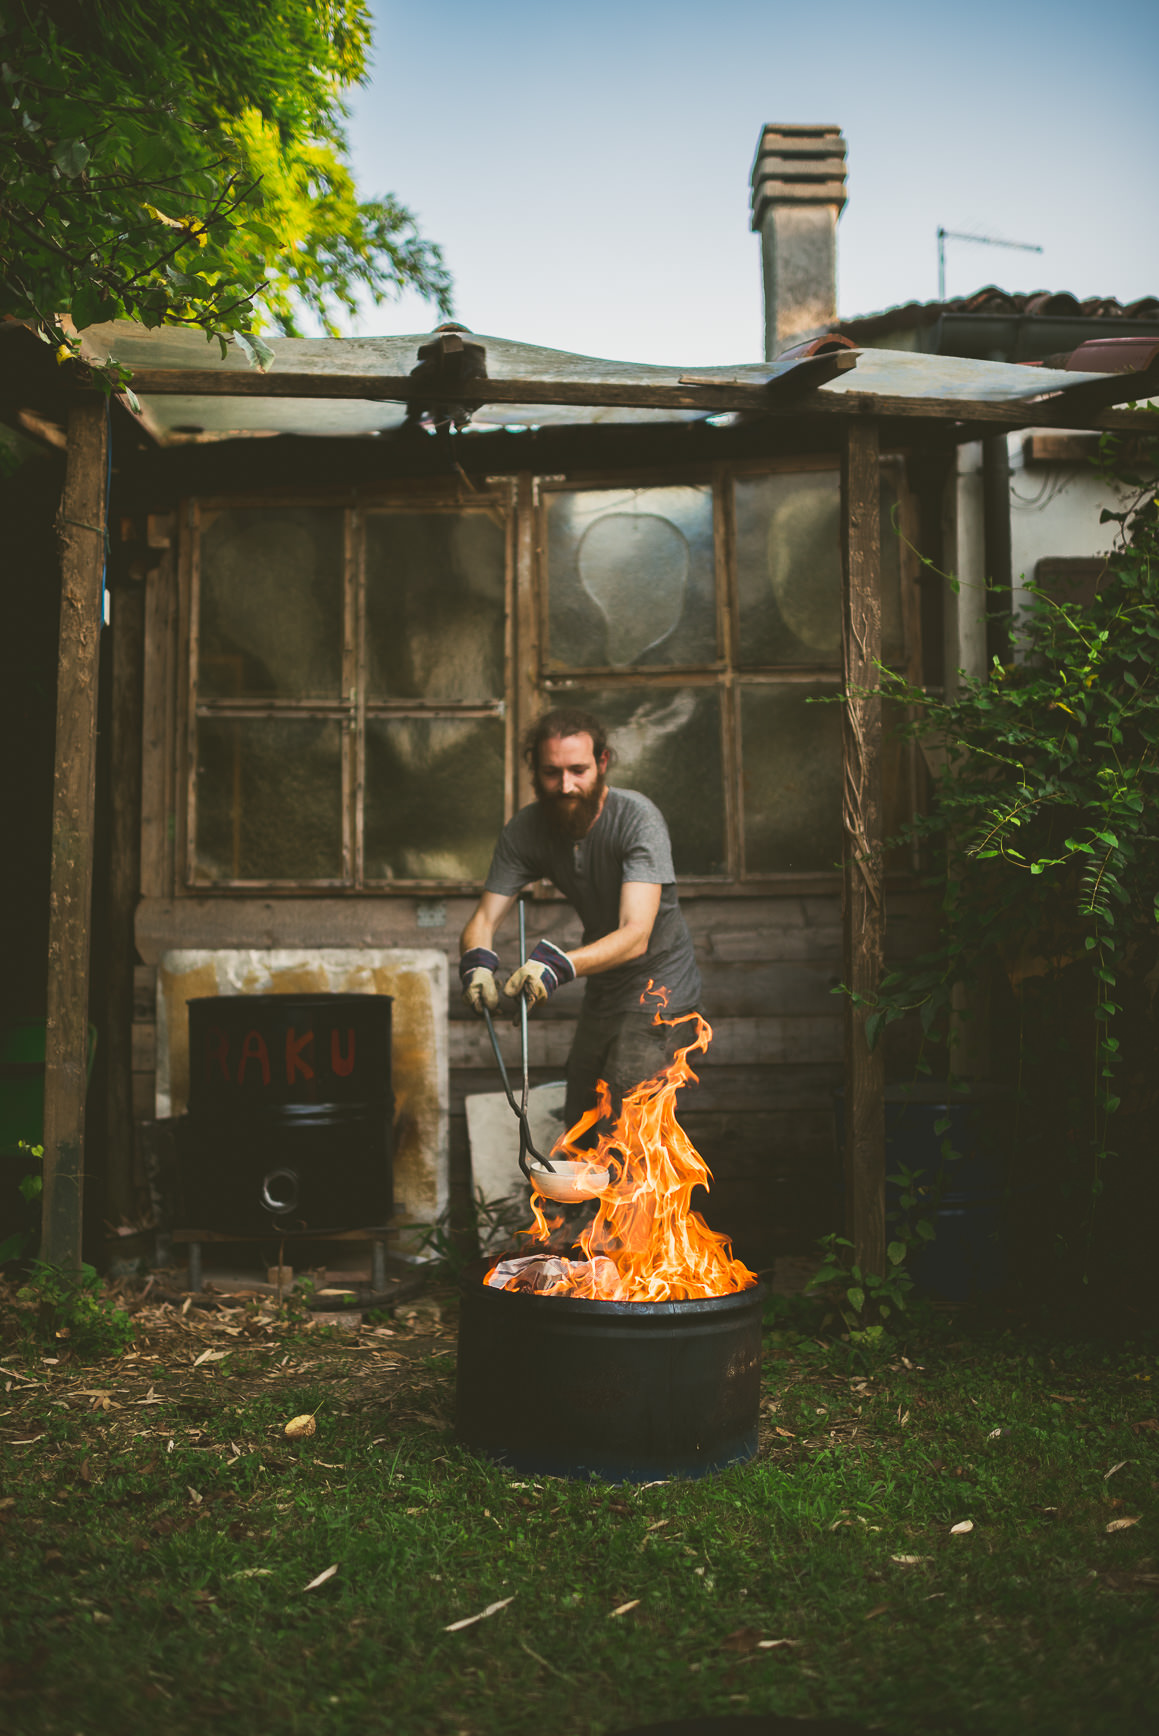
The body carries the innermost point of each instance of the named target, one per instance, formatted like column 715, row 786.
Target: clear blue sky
column 585, row 168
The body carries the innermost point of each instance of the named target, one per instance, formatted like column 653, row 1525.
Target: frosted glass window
column 630, row 578
column 269, row 799
column 791, row 782
column 271, row 583
column 435, row 605
column 788, row 570
column 667, row 746
column 434, row 797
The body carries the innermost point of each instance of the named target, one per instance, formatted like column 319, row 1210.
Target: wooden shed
column 340, row 591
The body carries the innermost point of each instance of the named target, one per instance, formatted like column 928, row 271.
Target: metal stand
column 526, row 1148
column 194, row 1240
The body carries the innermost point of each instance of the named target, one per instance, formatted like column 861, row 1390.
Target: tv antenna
column 945, row 235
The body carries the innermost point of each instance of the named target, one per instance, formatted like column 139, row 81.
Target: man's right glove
column 543, row 973
column 477, row 971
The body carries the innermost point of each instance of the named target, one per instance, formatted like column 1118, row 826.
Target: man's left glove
column 477, row 973
column 541, row 975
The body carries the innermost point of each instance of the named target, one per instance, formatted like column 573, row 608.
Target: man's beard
column 572, row 816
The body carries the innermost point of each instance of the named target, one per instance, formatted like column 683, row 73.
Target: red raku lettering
column 219, row 1054
column 254, row 1049
column 295, row 1061
column 342, row 1064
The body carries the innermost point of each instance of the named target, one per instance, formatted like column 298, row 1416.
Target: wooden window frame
column 352, row 708
column 529, row 684
column 722, row 673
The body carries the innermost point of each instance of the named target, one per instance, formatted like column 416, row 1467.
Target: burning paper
column 646, row 1243
column 550, row 1273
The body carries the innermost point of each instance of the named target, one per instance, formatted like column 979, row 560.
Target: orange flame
column 646, row 1244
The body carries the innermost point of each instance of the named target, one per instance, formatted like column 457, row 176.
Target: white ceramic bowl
column 566, row 1182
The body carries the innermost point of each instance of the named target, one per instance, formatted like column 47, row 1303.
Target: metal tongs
column 526, row 1148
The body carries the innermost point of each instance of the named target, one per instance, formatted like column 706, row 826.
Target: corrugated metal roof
column 887, row 373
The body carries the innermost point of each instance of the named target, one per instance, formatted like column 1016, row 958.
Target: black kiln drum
column 290, row 1113
column 627, row 1391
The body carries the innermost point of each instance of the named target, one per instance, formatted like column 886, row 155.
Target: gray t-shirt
column 629, row 841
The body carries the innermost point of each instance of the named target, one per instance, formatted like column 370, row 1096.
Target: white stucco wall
column 1054, row 511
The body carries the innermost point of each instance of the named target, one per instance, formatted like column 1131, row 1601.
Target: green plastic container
column 22, row 1083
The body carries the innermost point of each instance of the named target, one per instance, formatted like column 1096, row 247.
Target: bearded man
column 608, row 852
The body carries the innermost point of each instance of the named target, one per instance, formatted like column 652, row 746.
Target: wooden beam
column 128, row 631
column 157, row 713
column 81, row 526
column 863, row 899
column 1054, row 410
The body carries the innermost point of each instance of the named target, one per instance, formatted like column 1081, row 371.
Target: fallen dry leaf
column 193, row 1495
column 767, row 1645
column 909, row 1560
column 1115, row 1468
column 742, row 1639
column 321, row 1578
column 625, row 1607
column 878, row 1609
column 1123, row 1524
column 961, row 1527
column 252, row 1573
column 470, row 1620
column 211, row 1356
column 299, row 1428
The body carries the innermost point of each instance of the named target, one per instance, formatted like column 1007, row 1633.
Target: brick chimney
column 798, row 193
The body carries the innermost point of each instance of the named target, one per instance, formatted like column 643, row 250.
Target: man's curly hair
column 565, row 720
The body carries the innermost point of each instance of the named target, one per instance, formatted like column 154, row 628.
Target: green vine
column 1043, row 841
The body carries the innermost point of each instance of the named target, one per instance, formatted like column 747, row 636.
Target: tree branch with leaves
column 186, row 164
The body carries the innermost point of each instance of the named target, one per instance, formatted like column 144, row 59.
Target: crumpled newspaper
column 551, row 1272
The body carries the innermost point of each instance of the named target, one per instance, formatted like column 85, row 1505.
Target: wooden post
column 128, row 630
column 81, row 526
column 863, row 904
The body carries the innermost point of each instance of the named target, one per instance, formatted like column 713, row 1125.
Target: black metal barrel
column 290, row 1113
column 628, row 1391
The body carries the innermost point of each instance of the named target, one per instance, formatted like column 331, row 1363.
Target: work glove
column 541, row 975
column 477, row 972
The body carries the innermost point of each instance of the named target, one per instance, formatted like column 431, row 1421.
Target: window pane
column 791, row 780
column 271, row 604
column 434, row 797
column 630, row 577
column 269, row 799
column 788, row 564
column 667, row 746
column 435, row 604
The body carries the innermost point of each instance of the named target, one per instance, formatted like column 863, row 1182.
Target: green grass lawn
column 160, row 1535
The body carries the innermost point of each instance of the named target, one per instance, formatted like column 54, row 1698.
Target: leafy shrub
column 71, row 1309
column 30, row 1187
column 1046, row 862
